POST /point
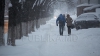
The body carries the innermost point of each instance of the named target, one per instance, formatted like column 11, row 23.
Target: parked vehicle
column 87, row 20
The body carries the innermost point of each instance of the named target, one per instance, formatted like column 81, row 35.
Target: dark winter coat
column 61, row 20
column 69, row 21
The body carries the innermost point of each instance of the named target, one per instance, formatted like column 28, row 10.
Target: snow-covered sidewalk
column 46, row 41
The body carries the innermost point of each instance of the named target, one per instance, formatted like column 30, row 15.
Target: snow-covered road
column 46, row 41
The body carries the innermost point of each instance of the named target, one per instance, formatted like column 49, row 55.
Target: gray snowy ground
column 46, row 41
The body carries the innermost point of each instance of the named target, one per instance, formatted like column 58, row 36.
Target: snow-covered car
column 87, row 20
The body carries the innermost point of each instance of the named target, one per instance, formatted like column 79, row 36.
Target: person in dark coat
column 61, row 21
column 69, row 23
column 65, row 19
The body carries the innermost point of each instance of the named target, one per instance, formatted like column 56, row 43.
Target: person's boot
column 62, row 34
column 68, row 34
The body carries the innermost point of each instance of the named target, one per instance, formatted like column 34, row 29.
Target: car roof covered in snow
column 94, row 13
column 92, row 7
column 85, row 4
column 85, row 14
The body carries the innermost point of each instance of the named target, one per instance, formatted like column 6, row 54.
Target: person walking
column 61, row 21
column 69, row 23
column 65, row 19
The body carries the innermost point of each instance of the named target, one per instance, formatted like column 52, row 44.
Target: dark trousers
column 61, row 28
column 69, row 29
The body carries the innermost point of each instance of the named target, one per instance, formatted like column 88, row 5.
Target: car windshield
column 81, row 17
